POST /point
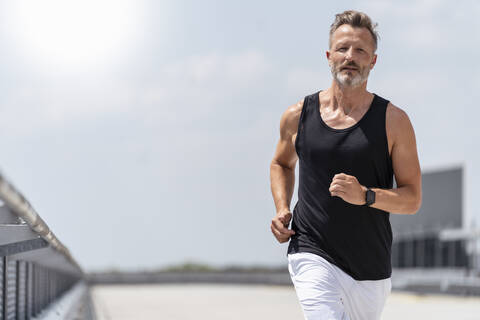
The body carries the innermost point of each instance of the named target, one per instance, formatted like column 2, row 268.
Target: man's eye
column 342, row 49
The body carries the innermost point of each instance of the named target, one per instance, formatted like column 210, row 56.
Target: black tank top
column 356, row 238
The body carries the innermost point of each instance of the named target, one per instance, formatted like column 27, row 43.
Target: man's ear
column 374, row 61
column 327, row 53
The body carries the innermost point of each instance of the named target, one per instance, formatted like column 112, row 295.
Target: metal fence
column 36, row 269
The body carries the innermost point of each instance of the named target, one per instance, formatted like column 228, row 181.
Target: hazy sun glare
column 73, row 33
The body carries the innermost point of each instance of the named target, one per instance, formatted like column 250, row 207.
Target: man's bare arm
column 407, row 197
column 282, row 172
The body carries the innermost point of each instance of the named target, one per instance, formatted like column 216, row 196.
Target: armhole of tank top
column 389, row 157
column 300, row 124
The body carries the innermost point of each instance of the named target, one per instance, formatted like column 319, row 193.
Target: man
column 350, row 143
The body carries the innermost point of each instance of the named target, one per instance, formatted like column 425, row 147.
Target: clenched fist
column 348, row 188
column 279, row 226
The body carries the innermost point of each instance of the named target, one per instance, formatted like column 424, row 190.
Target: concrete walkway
column 235, row 302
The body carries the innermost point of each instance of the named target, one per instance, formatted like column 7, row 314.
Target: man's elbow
column 277, row 164
column 416, row 205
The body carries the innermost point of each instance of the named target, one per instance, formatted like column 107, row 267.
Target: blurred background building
column 437, row 235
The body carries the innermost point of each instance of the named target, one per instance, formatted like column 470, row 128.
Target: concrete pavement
column 235, row 302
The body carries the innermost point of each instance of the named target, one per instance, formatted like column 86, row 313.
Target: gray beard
column 346, row 81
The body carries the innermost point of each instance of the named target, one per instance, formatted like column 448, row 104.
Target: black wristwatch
column 369, row 197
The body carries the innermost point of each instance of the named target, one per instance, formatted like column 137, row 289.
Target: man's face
column 351, row 55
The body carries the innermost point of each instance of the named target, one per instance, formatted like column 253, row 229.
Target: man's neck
column 347, row 98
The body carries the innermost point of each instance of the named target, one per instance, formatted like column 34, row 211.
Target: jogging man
column 350, row 143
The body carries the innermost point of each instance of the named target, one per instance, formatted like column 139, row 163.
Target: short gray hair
column 357, row 20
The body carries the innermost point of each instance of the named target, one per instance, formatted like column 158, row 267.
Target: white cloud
column 30, row 106
column 207, row 80
column 197, row 84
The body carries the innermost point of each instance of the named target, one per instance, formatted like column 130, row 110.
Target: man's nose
column 349, row 54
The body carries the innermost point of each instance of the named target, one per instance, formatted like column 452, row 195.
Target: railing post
column 28, row 288
column 4, row 287
column 17, row 290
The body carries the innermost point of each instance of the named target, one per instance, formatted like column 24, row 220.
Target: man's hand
column 279, row 226
column 348, row 188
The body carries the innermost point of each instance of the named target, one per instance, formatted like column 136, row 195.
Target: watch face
column 370, row 197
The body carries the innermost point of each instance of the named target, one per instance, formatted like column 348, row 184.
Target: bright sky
column 142, row 131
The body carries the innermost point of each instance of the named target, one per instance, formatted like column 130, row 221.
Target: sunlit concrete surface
column 209, row 301
column 195, row 301
column 439, row 307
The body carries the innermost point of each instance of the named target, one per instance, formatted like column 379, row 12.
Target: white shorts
column 326, row 292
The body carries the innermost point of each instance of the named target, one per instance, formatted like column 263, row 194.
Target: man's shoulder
column 397, row 120
column 293, row 111
column 291, row 116
column 396, row 114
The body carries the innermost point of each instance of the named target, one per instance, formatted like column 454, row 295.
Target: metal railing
column 36, row 269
